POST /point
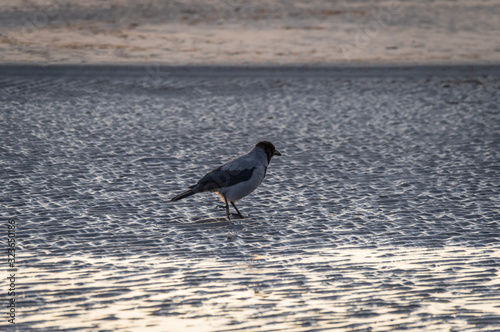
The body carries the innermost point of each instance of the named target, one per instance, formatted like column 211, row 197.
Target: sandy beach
column 224, row 32
column 381, row 215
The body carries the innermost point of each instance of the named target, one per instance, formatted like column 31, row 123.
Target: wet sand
column 383, row 213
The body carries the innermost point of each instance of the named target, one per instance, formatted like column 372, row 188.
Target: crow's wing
column 219, row 178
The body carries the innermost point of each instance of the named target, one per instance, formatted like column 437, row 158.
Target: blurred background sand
column 223, row 32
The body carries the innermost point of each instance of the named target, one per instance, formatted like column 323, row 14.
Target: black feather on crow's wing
column 222, row 178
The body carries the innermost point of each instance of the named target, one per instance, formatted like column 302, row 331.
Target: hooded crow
column 236, row 178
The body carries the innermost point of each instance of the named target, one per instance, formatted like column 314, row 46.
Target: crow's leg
column 239, row 214
column 227, row 207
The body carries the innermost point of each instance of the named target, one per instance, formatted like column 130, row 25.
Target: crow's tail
column 183, row 195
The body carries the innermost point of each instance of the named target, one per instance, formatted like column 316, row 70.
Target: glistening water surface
column 382, row 214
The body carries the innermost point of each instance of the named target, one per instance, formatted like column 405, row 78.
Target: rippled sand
column 383, row 213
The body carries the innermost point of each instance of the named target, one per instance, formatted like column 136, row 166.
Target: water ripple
column 382, row 214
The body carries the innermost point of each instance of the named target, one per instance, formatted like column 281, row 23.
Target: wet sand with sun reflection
column 342, row 288
column 382, row 214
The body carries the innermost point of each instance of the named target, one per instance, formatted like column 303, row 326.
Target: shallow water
column 383, row 213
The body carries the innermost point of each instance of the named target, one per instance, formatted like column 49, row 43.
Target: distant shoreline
column 116, row 71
